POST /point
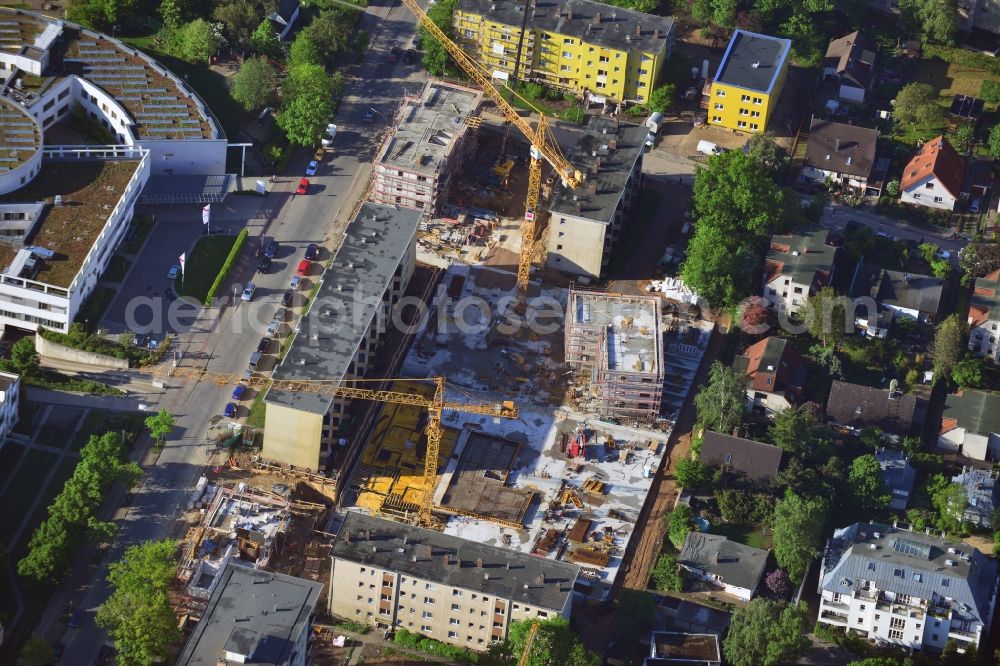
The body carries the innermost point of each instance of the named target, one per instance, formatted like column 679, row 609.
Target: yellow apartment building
column 746, row 87
column 588, row 48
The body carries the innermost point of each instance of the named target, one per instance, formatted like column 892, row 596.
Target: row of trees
column 73, row 513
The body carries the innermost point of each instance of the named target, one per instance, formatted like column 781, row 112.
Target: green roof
column 808, row 252
column 976, row 411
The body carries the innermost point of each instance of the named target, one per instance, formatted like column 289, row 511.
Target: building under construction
column 615, row 342
column 433, row 138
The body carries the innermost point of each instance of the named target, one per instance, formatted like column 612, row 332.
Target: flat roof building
column 254, row 617
column 339, row 335
column 453, row 590
column 746, row 87
column 588, row 221
column 616, row 343
column 432, row 140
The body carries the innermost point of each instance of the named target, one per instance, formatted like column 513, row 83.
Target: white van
column 708, row 148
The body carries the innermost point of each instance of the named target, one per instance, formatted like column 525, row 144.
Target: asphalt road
column 222, row 339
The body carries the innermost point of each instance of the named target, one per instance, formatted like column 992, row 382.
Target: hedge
column 962, row 57
column 234, row 253
column 415, row 641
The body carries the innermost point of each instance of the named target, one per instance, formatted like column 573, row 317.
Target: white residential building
column 453, row 590
column 797, row 266
column 730, row 565
column 970, row 425
column 984, row 317
column 911, row 589
column 934, row 176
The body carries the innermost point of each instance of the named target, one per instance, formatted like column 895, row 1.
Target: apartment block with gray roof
column 339, row 335
column 587, row 222
column 913, row 589
column 254, row 617
column 797, row 266
column 454, row 590
column 983, row 494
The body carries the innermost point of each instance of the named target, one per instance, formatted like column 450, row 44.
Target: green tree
column 160, row 425
column 23, row 356
column 949, row 500
column 662, row 98
column 554, row 643
column 720, row 403
column 918, row 103
column 264, row 40
column 798, row 532
column 719, row 267
column 255, row 84
column 435, row 56
column 304, row 51
column 646, row 6
column 36, row 652
column 680, row 521
column 331, row 31
column 872, row 437
column 766, row 633
column 949, row 346
column 933, row 20
column 828, row 317
column 979, row 258
column 241, row 18
column 792, row 429
column 196, row 41
column 968, row 373
column 994, row 141
column 691, row 473
column 766, row 152
column 867, row 484
column 882, row 661
column 308, row 104
column 138, row 614
column 175, row 13
column 103, row 15
column 963, row 138
column 666, row 574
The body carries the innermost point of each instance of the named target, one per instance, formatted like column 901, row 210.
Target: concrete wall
column 56, row 351
column 580, row 248
column 292, row 436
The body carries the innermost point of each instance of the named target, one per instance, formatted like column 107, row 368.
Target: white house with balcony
column 915, row 590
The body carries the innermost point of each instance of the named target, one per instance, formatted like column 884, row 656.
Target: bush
column 414, row 641
column 667, row 576
column 79, row 338
column 740, row 506
column 989, row 91
column 533, row 90
column 234, row 254
column 574, row 115
column 962, row 57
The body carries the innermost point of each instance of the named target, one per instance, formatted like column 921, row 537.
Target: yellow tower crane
column 543, row 146
column 434, row 405
column 526, row 654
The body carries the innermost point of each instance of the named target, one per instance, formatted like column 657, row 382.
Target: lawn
column 117, row 269
column 59, row 426
column 203, row 265
column 951, row 79
column 99, row 422
column 22, row 491
column 748, row 535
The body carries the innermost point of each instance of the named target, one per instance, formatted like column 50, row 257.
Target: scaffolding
column 615, row 343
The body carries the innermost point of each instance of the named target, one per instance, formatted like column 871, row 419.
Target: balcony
column 962, row 633
column 833, row 618
column 825, row 603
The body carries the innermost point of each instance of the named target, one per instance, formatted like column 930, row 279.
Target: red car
column 303, row 187
column 303, row 268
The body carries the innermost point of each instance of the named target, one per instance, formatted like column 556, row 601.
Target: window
column 897, row 623
column 899, row 573
column 456, row 593
column 754, row 126
column 755, row 114
column 895, row 634
column 427, row 615
column 452, row 634
column 558, row 247
column 562, row 220
column 425, row 629
column 934, row 637
column 642, row 72
column 564, row 68
column 429, row 586
column 567, row 40
column 744, row 98
column 929, row 186
column 862, row 607
column 861, row 620
column 454, row 622
column 603, row 59
column 720, row 93
column 877, row 617
column 758, row 100
column 600, row 85
column 871, row 566
column 716, row 119
column 719, row 106
column 744, row 112
column 938, row 199
column 741, row 123
column 945, row 582
column 918, row 577
column 641, row 84
column 568, row 55
column 797, row 290
column 428, row 600
column 456, row 607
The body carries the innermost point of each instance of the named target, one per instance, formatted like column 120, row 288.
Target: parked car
column 248, row 292
column 296, row 281
column 303, row 268
column 239, row 391
column 303, row 187
column 263, row 345
column 312, row 252
column 271, row 249
column 280, row 314
column 408, row 56
column 174, row 271
column 974, row 206
column 943, row 254
column 370, row 115
column 319, row 154
column 394, row 53
column 311, row 168
column 230, row 410
column 273, row 328
column 286, row 298
column 259, row 251
column 76, row 618
column 264, row 264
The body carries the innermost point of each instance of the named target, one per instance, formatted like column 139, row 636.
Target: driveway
column 221, row 339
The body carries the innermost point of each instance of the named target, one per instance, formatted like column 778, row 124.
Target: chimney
column 368, row 535
column 447, row 559
column 638, row 30
column 716, row 557
column 346, row 536
column 656, row 34
column 836, row 146
column 597, row 18
column 613, row 144
column 541, row 579
column 405, row 538
column 479, row 563
column 569, row 14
